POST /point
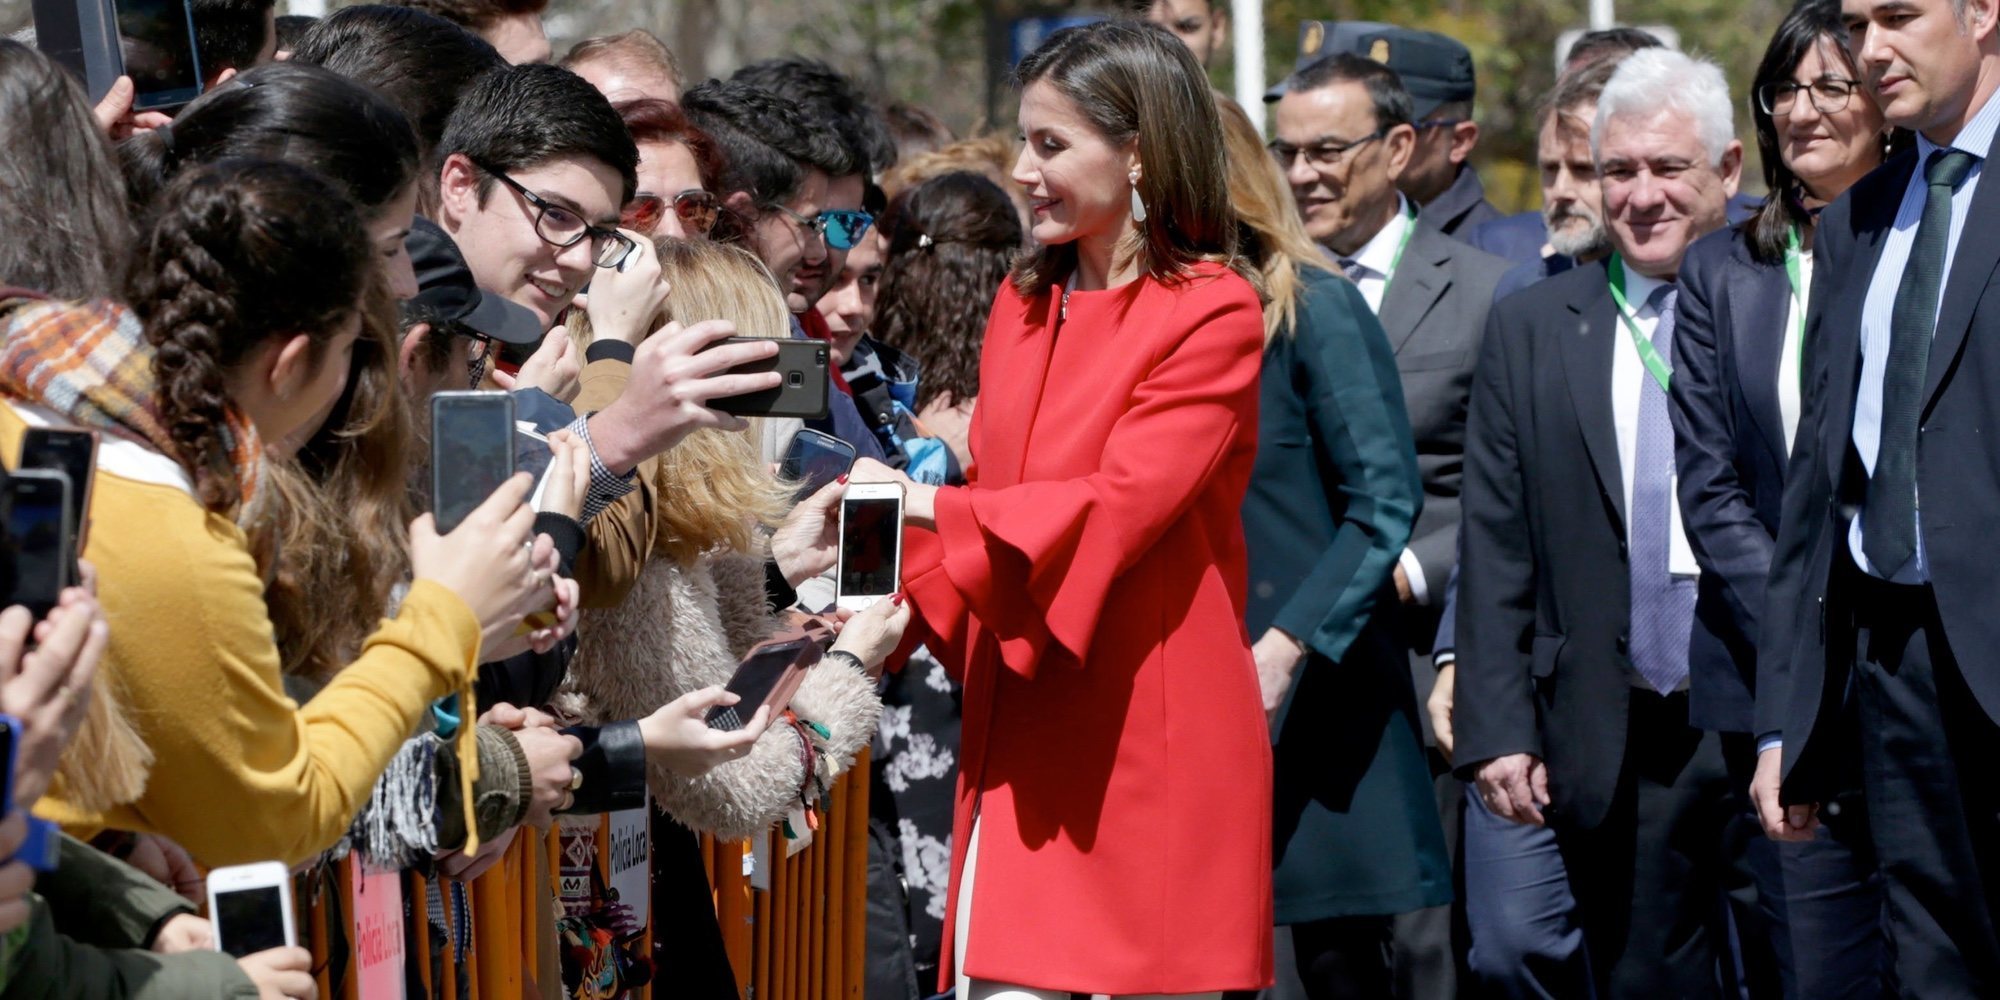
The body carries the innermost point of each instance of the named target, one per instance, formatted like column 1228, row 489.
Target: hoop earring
column 1138, row 204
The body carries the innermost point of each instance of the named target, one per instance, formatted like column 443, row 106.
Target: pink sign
column 378, row 931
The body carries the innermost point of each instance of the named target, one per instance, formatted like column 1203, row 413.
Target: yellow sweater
column 241, row 773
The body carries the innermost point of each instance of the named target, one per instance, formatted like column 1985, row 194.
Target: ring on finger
column 575, row 779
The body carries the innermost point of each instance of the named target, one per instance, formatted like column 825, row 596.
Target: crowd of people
column 1301, row 557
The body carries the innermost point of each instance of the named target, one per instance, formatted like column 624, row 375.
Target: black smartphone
column 803, row 390
column 36, row 538
column 472, row 452
column 814, row 459
column 81, row 36
column 770, row 675
column 74, row 454
column 156, row 38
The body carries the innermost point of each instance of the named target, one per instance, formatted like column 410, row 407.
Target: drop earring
column 1138, row 204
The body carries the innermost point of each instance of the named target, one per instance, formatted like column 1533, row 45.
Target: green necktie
column 1889, row 531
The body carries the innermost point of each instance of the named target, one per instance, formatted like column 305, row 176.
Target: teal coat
column 1332, row 498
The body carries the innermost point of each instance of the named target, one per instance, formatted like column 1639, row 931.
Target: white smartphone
column 871, row 544
column 251, row 908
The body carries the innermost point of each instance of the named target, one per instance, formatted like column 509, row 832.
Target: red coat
column 1089, row 591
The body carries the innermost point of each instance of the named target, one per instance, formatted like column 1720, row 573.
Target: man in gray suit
column 1345, row 133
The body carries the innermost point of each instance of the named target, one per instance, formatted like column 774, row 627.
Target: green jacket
column 87, row 932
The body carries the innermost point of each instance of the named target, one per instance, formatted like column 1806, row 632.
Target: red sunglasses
column 696, row 209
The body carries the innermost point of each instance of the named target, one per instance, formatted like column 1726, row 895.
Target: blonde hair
column 107, row 763
column 991, row 155
column 1273, row 237
column 712, row 489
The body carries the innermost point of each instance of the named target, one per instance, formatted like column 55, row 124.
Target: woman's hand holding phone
column 919, row 500
column 807, row 544
column 875, row 632
column 492, row 561
column 679, row 738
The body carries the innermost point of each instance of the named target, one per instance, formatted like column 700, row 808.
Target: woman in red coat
column 1113, row 820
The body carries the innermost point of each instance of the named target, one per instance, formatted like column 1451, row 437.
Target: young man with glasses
column 536, row 166
column 1344, row 137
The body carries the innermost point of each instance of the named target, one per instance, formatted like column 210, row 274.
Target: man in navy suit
column 1879, row 609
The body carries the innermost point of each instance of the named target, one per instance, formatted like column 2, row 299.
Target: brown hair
column 651, row 120
column 60, row 190
column 1136, row 82
column 242, row 251
column 637, row 46
column 951, row 241
column 1273, row 237
column 712, row 489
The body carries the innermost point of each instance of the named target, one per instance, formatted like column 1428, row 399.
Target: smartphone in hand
column 871, row 544
column 803, row 390
column 251, row 908
column 472, row 452
column 814, row 459
column 36, row 538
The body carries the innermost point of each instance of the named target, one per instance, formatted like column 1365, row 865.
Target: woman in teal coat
column 1332, row 497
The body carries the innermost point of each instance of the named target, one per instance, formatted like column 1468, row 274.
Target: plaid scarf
column 90, row 362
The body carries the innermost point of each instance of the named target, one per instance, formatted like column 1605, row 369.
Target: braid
column 190, row 319
column 240, row 251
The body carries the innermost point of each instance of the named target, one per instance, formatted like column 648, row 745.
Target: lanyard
column 1650, row 355
column 1792, row 274
column 1409, row 229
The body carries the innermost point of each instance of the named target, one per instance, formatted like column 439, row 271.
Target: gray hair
column 1653, row 80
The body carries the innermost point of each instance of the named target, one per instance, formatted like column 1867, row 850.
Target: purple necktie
column 1662, row 606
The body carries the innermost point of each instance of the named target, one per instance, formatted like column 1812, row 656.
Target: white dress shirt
column 1377, row 258
column 1788, row 362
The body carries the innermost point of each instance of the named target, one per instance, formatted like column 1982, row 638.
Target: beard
column 1575, row 232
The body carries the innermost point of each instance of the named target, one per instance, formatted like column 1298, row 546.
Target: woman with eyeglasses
column 1742, row 348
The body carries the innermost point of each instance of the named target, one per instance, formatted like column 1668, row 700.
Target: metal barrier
column 793, row 927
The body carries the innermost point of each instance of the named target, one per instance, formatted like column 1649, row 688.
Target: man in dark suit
column 1344, row 135
column 1437, row 72
column 1578, row 589
column 1880, row 601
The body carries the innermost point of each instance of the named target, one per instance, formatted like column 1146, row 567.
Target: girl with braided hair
column 254, row 293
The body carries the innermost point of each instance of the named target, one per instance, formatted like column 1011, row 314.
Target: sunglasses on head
column 696, row 209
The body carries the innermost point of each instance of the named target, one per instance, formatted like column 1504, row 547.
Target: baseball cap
column 1436, row 69
column 444, row 283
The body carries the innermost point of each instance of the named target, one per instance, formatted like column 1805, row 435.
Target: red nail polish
column 843, row 478
column 896, row 599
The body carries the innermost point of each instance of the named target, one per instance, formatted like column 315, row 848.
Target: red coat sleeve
column 1034, row 562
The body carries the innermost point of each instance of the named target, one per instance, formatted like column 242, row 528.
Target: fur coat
column 685, row 628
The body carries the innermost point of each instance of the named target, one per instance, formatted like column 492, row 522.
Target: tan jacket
column 618, row 540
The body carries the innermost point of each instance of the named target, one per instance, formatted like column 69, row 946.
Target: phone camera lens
column 796, row 379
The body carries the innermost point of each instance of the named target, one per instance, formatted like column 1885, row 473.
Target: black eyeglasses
column 1830, row 95
column 1321, row 154
column 563, row 228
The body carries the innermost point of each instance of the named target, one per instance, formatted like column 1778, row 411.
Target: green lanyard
column 1792, row 273
column 1662, row 372
column 1409, row 229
